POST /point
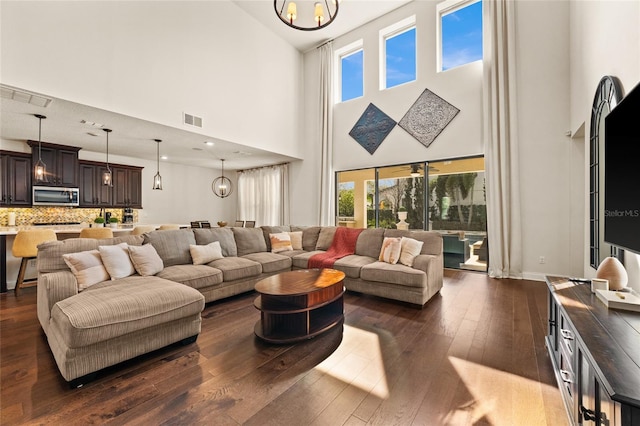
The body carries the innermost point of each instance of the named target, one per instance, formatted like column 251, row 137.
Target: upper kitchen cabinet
column 15, row 179
column 127, row 186
column 61, row 162
column 92, row 192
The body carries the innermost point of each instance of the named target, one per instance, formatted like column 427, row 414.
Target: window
column 350, row 60
column 460, row 33
column 398, row 53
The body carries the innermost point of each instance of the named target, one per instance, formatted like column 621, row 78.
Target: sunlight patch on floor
column 362, row 366
column 497, row 396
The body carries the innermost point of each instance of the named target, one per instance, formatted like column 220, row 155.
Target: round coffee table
column 298, row 305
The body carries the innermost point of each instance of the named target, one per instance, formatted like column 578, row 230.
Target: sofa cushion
column 280, row 242
column 202, row 254
column 291, row 253
column 410, row 248
column 390, row 251
column 393, row 274
column 302, row 260
column 146, row 260
column 195, row 276
column 310, row 236
column 369, row 242
column 116, row 308
column 249, row 240
column 268, row 230
column 50, row 253
column 236, row 268
column 87, row 267
column 224, row 235
column 351, row 264
column 116, row 260
column 172, row 245
column 296, row 239
column 271, row 262
column 326, row 237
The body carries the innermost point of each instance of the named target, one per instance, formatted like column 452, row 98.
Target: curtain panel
column 263, row 195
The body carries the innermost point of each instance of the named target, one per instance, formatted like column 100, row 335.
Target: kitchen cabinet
column 15, row 179
column 61, row 163
column 127, row 186
column 595, row 353
column 92, row 192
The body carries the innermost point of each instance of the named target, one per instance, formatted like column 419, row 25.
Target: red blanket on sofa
column 343, row 244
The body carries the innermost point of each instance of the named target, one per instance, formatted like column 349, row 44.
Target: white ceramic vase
column 611, row 269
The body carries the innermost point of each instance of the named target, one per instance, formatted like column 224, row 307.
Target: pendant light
column 157, row 179
column 222, row 186
column 107, row 177
column 313, row 13
column 40, row 169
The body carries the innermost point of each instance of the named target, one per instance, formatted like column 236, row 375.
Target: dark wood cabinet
column 127, row 186
column 92, row 192
column 15, row 179
column 61, row 162
column 595, row 354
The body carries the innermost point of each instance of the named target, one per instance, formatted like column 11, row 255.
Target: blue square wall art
column 372, row 128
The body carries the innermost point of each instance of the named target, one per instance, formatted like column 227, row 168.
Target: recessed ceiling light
column 164, row 157
column 209, row 143
column 197, row 149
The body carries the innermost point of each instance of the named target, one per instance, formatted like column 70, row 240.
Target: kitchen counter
column 9, row 265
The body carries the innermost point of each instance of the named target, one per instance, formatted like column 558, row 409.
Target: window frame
column 445, row 8
column 391, row 31
column 339, row 54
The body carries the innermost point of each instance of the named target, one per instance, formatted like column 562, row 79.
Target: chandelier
column 222, row 186
column 313, row 16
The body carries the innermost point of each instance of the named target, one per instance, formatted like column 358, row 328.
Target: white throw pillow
column 280, row 242
column 390, row 252
column 145, row 259
column 87, row 267
column 202, row 254
column 410, row 249
column 296, row 239
column 116, row 260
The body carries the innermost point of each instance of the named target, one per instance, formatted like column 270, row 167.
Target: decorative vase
column 611, row 269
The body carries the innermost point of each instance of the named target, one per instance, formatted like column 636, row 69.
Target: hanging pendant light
column 313, row 13
column 222, row 186
column 40, row 169
column 157, row 179
column 107, row 177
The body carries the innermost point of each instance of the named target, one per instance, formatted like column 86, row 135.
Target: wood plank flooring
column 474, row 355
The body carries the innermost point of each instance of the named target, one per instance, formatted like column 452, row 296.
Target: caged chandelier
column 313, row 15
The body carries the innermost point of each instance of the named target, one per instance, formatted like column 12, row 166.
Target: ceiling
column 133, row 137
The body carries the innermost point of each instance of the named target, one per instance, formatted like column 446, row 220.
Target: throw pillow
column 280, row 242
column 296, row 240
column 145, row 259
column 116, row 260
column 390, row 252
column 206, row 253
column 410, row 249
column 87, row 267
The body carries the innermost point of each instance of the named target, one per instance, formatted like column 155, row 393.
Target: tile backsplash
column 27, row 216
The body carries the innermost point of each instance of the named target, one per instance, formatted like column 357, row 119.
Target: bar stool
column 25, row 246
column 168, row 227
column 96, row 233
column 141, row 229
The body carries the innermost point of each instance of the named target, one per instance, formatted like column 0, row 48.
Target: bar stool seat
column 25, row 246
column 96, row 233
column 168, row 227
column 141, row 229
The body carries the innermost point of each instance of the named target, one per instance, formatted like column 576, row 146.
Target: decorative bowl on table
column 222, row 223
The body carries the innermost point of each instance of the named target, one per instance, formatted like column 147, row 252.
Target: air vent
column 8, row 92
column 192, row 120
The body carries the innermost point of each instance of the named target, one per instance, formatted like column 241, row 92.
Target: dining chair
column 239, row 223
column 250, row 224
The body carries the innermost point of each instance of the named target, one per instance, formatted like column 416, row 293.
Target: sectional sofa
column 156, row 299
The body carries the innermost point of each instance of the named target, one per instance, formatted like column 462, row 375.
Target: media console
column 595, row 354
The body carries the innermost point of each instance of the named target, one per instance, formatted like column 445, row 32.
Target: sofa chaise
column 137, row 309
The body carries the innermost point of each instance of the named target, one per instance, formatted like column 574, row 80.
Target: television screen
column 622, row 174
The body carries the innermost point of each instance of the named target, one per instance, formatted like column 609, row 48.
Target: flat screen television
column 622, row 174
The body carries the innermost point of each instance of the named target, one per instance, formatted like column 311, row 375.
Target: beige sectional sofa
column 116, row 320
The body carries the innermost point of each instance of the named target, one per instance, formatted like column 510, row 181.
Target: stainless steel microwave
column 55, row 196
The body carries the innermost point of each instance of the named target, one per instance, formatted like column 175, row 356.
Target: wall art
column 427, row 117
column 372, row 128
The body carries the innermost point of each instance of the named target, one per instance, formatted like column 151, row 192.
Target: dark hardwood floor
column 474, row 355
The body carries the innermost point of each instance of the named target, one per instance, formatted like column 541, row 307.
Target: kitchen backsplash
column 27, row 216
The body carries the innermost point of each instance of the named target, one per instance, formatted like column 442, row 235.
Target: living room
column 129, row 58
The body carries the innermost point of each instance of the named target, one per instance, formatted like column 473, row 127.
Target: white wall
column 605, row 40
column 156, row 60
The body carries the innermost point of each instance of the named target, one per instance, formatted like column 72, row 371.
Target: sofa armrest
column 52, row 288
column 433, row 266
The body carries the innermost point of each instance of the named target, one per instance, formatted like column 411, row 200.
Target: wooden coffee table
column 298, row 305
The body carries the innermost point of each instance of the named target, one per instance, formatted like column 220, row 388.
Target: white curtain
column 501, row 140
column 327, row 189
column 263, row 195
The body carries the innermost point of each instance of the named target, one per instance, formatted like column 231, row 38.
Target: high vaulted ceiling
column 17, row 122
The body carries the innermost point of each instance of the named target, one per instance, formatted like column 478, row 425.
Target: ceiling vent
column 8, row 92
column 192, row 120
